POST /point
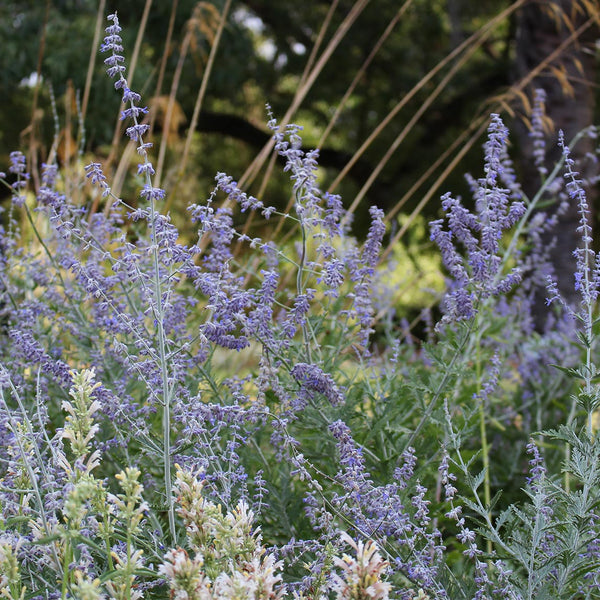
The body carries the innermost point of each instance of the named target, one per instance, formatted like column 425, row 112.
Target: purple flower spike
column 480, row 274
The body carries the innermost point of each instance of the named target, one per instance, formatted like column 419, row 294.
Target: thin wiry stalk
column 483, row 123
column 166, row 391
column 440, row 388
column 483, row 436
column 67, row 139
column 414, row 120
column 88, row 82
column 32, row 158
column 360, row 73
column 171, row 103
column 51, row 159
column 501, row 103
column 427, row 174
column 157, row 308
column 320, row 37
column 254, row 168
column 81, row 126
column 92, row 61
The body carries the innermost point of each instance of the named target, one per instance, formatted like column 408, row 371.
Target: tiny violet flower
column 313, row 379
column 18, row 166
column 17, row 163
column 183, row 412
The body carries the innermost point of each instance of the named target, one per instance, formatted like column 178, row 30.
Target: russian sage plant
column 209, row 417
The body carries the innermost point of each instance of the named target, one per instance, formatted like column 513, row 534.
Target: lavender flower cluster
column 479, row 275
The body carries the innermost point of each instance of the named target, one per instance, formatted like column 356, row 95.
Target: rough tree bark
column 541, row 28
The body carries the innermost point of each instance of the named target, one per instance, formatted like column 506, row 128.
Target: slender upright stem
column 166, row 394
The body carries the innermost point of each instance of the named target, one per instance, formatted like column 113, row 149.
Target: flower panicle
column 537, row 131
column 80, row 428
column 11, row 585
column 479, row 274
column 229, row 560
column 18, row 167
column 361, row 576
column 115, row 68
column 587, row 270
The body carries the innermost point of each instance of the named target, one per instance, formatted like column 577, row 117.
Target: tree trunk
column 539, row 32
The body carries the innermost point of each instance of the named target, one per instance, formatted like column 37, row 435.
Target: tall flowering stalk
column 11, row 585
column 129, row 508
column 115, row 69
column 587, row 284
column 479, row 275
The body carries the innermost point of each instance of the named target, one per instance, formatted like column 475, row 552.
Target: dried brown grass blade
column 259, row 161
column 414, row 120
column 317, row 45
column 163, row 60
column 33, row 142
column 451, row 56
column 256, row 165
column 199, row 100
column 382, row 38
column 93, row 55
column 480, row 124
column 501, row 101
column 427, row 174
column 170, row 107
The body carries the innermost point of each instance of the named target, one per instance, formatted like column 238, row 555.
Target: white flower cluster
column 229, row 561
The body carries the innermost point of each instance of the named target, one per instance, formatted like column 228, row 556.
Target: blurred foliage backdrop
column 394, row 93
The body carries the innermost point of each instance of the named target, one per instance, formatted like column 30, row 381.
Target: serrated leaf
column 570, row 371
column 523, row 517
column 474, row 507
column 502, row 518
column 478, row 479
column 564, row 434
column 494, row 500
column 584, row 339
